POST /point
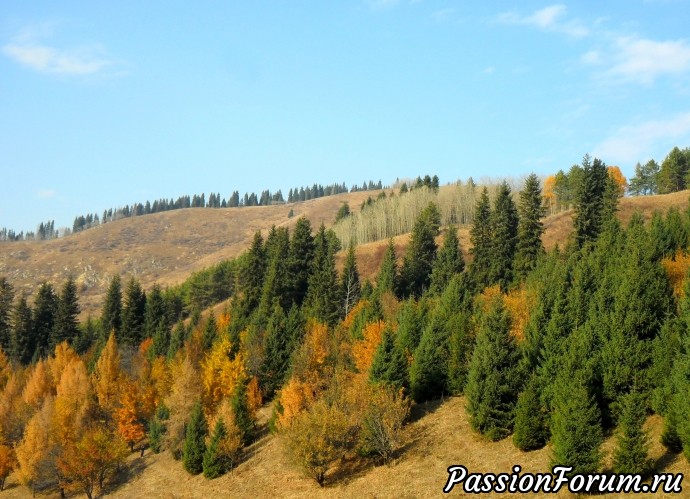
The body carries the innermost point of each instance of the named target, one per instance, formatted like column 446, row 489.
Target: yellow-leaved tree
column 221, row 373
column 107, row 376
column 72, row 402
column 38, row 386
column 37, row 452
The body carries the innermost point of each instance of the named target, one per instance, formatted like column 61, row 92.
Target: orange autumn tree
column 129, row 425
column 64, row 355
column 36, row 451
column 364, row 350
column 221, row 373
column 72, row 402
column 618, row 177
column 549, row 193
column 5, row 368
column 107, row 375
column 676, row 269
column 7, row 463
column 38, row 385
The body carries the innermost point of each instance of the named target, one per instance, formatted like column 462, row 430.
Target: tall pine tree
column 530, row 227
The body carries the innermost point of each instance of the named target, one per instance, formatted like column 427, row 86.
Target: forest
column 557, row 347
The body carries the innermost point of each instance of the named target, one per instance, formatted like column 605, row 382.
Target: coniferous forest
column 557, row 348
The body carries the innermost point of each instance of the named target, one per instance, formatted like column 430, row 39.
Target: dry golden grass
column 439, row 437
column 164, row 247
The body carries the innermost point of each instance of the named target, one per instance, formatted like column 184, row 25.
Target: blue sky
column 108, row 103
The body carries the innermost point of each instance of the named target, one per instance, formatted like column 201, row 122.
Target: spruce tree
column 195, row 441
column 158, row 428
column 6, row 298
column 214, row 463
column 177, row 339
column 387, row 279
column 576, row 427
column 276, row 285
column 481, row 239
column 504, row 228
column 631, row 455
column 493, row 380
column 349, row 282
column 277, row 350
column 530, row 227
column 66, row 327
column 322, row 295
column 301, row 259
column 156, row 313
column 448, row 263
column 45, row 310
column 133, row 314
column 210, row 332
column 589, row 205
column 390, row 364
column 111, row 316
column 23, row 341
column 531, row 429
column 415, row 273
column 243, row 418
column 251, row 274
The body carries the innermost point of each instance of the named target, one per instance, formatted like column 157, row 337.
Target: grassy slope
column 439, row 437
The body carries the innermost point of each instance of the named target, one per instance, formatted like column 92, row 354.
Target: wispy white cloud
column 489, row 70
column 46, row 193
column 643, row 61
column 633, row 143
column 30, row 49
column 549, row 18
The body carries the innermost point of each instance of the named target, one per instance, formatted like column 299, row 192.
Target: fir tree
column 493, row 379
column 155, row 313
column 390, row 364
column 504, row 227
column 23, row 341
column 415, row 273
column 6, row 298
column 631, row 455
column 277, row 348
column 243, row 418
column 214, row 463
column 530, row 227
column 448, row 263
column 576, row 427
column 45, row 310
column 157, row 427
column 133, row 314
column 66, row 327
column 531, row 430
column 111, row 316
column 387, row 279
column 251, row 274
column 322, row 296
column 195, row 441
column 589, row 206
column 276, row 285
column 301, row 259
column 481, row 239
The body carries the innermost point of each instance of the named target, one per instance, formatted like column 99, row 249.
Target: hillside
column 167, row 247
column 439, row 436
column 164, row 247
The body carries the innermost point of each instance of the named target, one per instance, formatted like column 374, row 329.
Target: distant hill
column 167, row 247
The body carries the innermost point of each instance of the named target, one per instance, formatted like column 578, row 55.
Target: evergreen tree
column 644, row 183
column 66, row 326
column 300, row 260
column 210, row 332
column 88, row 334
column 111, row 316
column 576, row 427
column 674, row 171
column 322, row 295
column 177, row 339
column 195, row 441
column 531, row 428
column 45, row 310
column 133, row 314
column 155, row 314
column 631, row 455
column 415, row 273
column 214, row 463
column 493, row 380
column 448, row 263
column 6, row 298
column 349, row 282
column 412, row 320
column 277, row 348
column 157, row 427
column 243, row 418
column 276, row 283
column 504, row 229
column 530, row 227
column 251, row 274
column 589, row 206
column 387, row 279
column 481, row 238
column 390, row 363
column 23, row 341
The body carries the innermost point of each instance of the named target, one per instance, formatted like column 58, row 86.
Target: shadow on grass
column 418, row 411
column 123, row 476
